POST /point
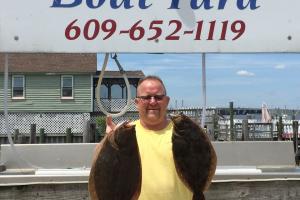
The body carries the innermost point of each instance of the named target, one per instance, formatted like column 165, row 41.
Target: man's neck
column 155, row 127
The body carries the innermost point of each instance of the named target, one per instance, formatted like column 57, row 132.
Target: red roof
column 50, row 63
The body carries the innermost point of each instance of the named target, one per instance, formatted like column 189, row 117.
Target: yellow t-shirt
column 159, row 177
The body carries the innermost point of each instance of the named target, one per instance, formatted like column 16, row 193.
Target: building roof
column 50, row 63
column 117, row 74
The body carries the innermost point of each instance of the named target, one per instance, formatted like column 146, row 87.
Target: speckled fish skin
column 116, row 167
column 194, row 156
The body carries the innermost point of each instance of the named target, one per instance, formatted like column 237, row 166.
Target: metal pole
column 296, row 142
column 232, row 136
column 203, row 90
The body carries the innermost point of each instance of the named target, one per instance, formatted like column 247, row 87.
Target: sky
column 248, row 80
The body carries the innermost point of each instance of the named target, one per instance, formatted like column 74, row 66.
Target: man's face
column 152, row 104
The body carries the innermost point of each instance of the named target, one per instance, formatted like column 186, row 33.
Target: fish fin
column 198, row 196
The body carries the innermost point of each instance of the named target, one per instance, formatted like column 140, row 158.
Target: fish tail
column 198, row 196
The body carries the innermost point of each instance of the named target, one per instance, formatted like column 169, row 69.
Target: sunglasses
column 149, row 97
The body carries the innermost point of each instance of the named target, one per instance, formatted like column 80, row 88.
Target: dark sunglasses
column 149, row 97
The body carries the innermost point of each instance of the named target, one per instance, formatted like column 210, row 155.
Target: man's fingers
column 110, row 125
column 109, row 120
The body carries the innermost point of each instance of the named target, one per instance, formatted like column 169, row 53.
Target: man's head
column 152, row 102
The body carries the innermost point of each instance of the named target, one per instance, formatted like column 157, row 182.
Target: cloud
column 244, row 73
column 280, row 66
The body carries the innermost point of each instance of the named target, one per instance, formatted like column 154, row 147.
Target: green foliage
column 215, row 120
column 280, row 128
column 101, row 125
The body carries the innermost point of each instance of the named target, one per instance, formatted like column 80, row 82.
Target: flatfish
column 116, row 169
column 194, row 156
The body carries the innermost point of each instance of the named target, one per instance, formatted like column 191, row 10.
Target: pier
column 246, row 169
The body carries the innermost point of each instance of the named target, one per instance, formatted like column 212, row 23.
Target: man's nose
column 153, row 100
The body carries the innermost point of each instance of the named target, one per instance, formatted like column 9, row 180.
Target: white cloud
column 281, row 66
column 244, row 73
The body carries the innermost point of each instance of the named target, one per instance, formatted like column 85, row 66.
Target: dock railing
column 254, row 131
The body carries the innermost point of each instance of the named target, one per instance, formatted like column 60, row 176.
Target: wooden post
column 16, row 136
column 296, row 142
column 86, row 132
column 32, row 138
column 21, row 139
column 69, row 135
column 42, row 136
column 2, row 168
column 253, row 133
column 232, row 136
column 272, row 131
column 245, row 130
column 215, row 129
column 226, row 132
column 92, row 133
column 280, row 128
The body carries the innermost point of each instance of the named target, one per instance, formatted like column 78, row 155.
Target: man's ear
column 136, row 101
column 167, row 99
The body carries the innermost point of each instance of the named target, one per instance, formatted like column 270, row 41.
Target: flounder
column 194, row 156
column 116, row 169
column 116, row 172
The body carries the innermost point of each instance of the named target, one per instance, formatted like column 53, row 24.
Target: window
column 18, row 83
column 104, row 92
column 67, row 87
column 116, row 92
column 133, row 91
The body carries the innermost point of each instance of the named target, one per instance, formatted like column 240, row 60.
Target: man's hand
column 110, row 125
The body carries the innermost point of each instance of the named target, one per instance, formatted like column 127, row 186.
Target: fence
column 256, row 131
column 51, row 122
column 56, row 124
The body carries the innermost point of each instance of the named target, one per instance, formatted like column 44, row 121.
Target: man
column 154, row 132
